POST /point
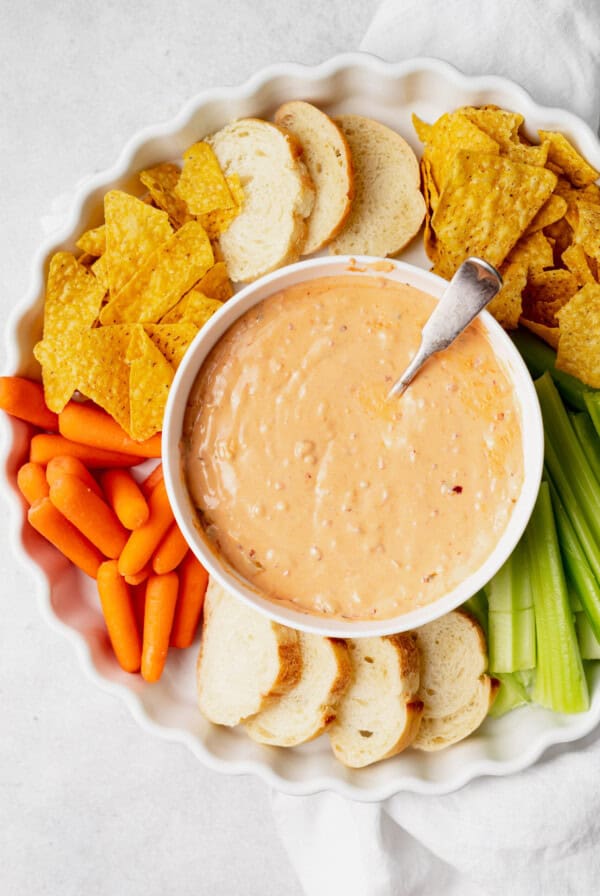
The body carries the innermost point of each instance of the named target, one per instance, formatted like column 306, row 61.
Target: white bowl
column 207, row 338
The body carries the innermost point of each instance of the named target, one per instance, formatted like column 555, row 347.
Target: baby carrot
column 24, row 399
column 193, row 579
column 45, row 446
column 49, row 522
column 89, row 513
column 143, row 541
column 125, row 497
column 152, row 480
column 119, row 615
column 140, row 576
column 90, row 425
column 60, row 465
column 170, row 551
column 32, row 482
column 161, row 597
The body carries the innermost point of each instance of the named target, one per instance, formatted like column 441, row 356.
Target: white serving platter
column 356, row 83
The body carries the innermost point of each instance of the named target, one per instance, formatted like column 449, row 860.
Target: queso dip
column 325, row 495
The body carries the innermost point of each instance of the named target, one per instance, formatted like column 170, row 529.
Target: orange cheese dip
column 325, row 495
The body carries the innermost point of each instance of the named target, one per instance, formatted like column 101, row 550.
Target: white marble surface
column 88, row 802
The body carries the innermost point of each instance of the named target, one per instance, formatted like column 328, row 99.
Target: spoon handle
column 473, row 286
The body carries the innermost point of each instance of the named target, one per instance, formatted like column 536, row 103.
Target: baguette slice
column 278, row 197
column 327, row 157
column 308, row 708
column 379, row 715
column 388, row 207
column 455, row 690
column 453, row 658
column 245, row 659
column 436, row 734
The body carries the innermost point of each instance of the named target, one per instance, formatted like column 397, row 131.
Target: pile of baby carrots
column 84, row 499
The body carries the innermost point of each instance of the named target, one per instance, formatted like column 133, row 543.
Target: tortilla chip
column 553, row 210
column 172, row 339
column 546, row 293
column 150, row 378
column 218, row 221
column 195, row 307
column 579, row 346
column 591, row 193
column 162, row 280
column 452, row 133
column 73, row 301
column 564, row 154
column 93, row 241
column 134, row 230
column 103, row 373
column 500, row 125
column 216, row 283
column 529, row 155
column 202, row 184
column 534, row 250
column 576, row 261
column 160, row 182
column 422, row 129
column 487, row 203
column 506, row 306
column 587, row 230
column 562, row 234
column 548, row 334
column 100, row 271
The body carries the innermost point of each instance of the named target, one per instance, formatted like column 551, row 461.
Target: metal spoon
column 474, row 284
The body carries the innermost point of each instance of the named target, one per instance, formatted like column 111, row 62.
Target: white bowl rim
column 398, row 779
column 211, row 333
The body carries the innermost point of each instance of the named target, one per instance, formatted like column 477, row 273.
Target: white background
column 89, row 804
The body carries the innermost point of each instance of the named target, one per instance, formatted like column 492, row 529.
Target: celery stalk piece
column 589, row 644
column 560, row 681
column 477, row 607
column 511, row 694
column 588, row 439
column 566, row 460
column 512, row 641
column 592, row 404
column 540, row 358
column 510, row 589
column 582, row 582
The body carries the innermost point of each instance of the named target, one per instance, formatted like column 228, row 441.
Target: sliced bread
column 379, row 715
column 278, row 197
column 388, row 207
column 436, row 734
column 305, row 711
column 245, row 659
column 327, row 157
column 453, row 655
column 455, row 691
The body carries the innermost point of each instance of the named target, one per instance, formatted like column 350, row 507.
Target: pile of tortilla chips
column 118, row 319
column 533, row 211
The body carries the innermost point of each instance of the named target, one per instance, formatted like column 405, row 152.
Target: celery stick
column 565, row 458
column 589, row 644
column 579, row 523
column 582, row 582
column 510, row 589
column 477, row 607
column 588, row 439
column 512, row 640
column 540, row 358
column 592, row 404
column 574, row 601
column 511, row 694
column 560, row 679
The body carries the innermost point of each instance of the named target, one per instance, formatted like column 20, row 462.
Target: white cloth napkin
column 537, row 832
